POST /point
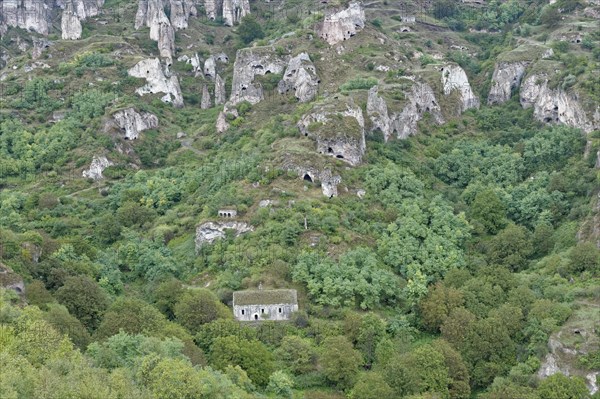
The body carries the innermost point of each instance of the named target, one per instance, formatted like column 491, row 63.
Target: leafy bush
column 359, row 84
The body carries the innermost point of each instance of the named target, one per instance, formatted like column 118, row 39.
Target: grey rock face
column 342, row 25
column 181, row 10
column 39, row 46
column 300, row 76
column 213, row 8
column 455, row 78
column 31, row 15
column 75, row 11
column 220, row 94
column 99, row 163
column 157, row 81
column 234, row 11
column 249, row 63
column 151, row 13
column 339, row 133
column 554, row 105
column 205, row 103
column 208, row 232
column 70, row 26
column 133, row 122
column 507, row 77
column 210, row 68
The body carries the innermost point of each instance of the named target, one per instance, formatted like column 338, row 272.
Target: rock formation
column 39, row 46
column 208, row 232
column 250, row 62
column 222, row 123
column 205, row 102
column 31, row 15
column 213, row 8
column 194, row 61
column 455, row 78
column 341, row 25
column 507, row 77
column 338, row 131
column 99, row 163
column 10, row 280
column 181, row 10
column 133, row 122
column 300, row 76
column 329, row 183
column 421, row 99
column 158, row 81
column 151, row 13
column 75, row 11
column 234, row 11
column 210, row 68
column 220, row 94
column 554, row 105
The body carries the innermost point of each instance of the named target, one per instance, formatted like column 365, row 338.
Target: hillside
column 424, row 175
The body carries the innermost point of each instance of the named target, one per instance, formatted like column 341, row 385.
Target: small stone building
column 264, row 304
column 227, row 213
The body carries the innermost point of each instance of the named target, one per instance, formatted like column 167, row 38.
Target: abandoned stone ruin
column 227, row 213
column 257, row 305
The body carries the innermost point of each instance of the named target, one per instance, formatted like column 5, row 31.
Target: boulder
column 133, row 122
column 506, row 78
column 99, row 163
column 208, row 232
column 157, row 81
column 455, row 78
column 342, row 25
column 300, row 76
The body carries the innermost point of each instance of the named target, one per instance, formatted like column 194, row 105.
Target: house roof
column 264, row 297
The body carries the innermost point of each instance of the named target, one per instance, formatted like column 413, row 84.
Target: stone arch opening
column 308, row 178
column 256, row 317
column 339, row 156
column 330, row 150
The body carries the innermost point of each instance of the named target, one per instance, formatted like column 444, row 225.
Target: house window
column 255, row 317
column 279, row 310
column 243, row 312
column 262, row 311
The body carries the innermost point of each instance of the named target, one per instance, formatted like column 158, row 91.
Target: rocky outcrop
column 338, row 131
column 506, row 78
column 329, row 183
column 181, row 10
column 208, row 232
column 222, row 123
column 33, row 15
column 158, row 81
column 151, row 13
column 133, row 122
column 342, row 25
column 455, row 78
column 420, row 100
column 554, row 105
column 213, row 8
column 39, row 46
column 194, row 61
column 205, row 103
column 234, row 11
column 249, row 63
column 220, row 94
column 99, row 163
column 75, row 11
column 210, row 68
column 10, row 280
column 300, row 76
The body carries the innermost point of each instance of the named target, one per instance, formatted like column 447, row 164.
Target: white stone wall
column 264, row 312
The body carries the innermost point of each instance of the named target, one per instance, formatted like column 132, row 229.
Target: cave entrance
column 307, row 177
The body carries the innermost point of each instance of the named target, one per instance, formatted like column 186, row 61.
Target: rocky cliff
column 99, row 163
column 506, row 78
column 300, row 76
column 234, row 11
column 208, row 232
column 75, row 11
column 181, row 10
column 454, row 78
column 338, row 127
column 554, row 105
column 34, row 15
column 151, row 13
column 342, row 25
column 158, row 81
column 249, row 63
column 133, row 122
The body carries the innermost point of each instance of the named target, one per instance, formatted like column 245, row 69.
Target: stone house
column 255, row 305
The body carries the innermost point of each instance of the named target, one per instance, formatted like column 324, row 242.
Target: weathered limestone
column 210, row 68
column 75, row 11
column 342, row 25
column 339, row 132
column 205, row 102
column 507, row 77
column 33, row 15
column 234, row 11
column 151, row 13
column 250, row 62
column 300, row 76
column 99, row 163
column 554, row 105
column 220, row 94
column 181, row 10
column 208, row 232
column 455, row 78
column 133, row 122
column 157, row 81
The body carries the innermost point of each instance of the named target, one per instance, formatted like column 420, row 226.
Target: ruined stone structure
column 256, row 305
column 227, row 213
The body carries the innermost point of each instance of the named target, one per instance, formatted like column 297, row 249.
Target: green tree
column 559, row 386
column 132, row 316
column 438, row 304
column 371, row 386
column 370, row 333
column 426, row 371
column 281, row 385
column 340, row 361
column 249, row 29
column 584, row 257
column 297, row 354
column 489, row 210
column 511, row 248
column 84, row 299
column 197, row 307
